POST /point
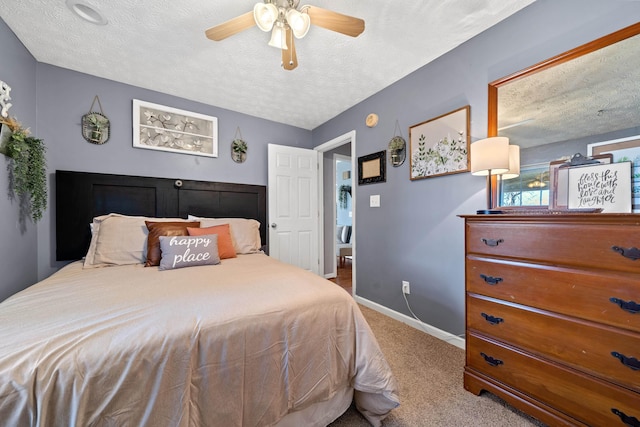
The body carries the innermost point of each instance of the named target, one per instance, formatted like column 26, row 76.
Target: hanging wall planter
column 238, row 148
column 95, row 126
column 397, row 148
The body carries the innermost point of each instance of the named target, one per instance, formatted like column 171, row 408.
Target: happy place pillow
column 188, row 251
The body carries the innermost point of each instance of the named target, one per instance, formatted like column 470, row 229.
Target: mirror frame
column 492, row 110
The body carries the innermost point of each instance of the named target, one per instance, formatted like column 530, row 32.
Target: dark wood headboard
column 81, row 196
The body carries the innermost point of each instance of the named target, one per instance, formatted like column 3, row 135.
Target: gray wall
column 416, row 235
column 64, row 96
column 19, row 245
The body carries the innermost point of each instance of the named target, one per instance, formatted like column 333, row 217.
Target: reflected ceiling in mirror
column 572, row 96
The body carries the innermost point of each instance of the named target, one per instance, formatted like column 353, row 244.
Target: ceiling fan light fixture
column 278, row 36
column 285, row 21
column 299, row 22
column 265, row 15
column 537, row 184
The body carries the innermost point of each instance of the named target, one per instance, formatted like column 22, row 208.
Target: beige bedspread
column 238, row 344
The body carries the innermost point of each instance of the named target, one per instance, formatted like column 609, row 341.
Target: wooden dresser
column 553, row 315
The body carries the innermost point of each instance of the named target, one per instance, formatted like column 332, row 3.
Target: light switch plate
column 374, row 201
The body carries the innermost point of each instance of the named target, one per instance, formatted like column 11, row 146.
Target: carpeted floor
column 429, row 373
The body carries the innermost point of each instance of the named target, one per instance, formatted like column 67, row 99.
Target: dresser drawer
column 599, row 297
column 587, row 399
column 602, row 351
column 562, row 243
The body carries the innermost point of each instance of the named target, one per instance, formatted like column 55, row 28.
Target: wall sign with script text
column 606, row 186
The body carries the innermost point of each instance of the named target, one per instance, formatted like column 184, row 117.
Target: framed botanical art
column 440, row 146
column 371, row 168
column 623, row 150
column 157, row 127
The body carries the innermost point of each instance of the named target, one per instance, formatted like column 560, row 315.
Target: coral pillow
column 225, row 244
column 157, row 229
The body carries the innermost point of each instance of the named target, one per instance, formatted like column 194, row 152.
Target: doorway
column 330, row 181
column 294, row 214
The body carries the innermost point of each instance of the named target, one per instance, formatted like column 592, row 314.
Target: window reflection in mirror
column 530, row 188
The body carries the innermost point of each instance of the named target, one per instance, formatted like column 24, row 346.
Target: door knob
column 274, row 225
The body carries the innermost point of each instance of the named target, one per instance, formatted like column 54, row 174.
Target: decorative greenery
column 97, row 121
column 27, row 168
column 97, row 124
column 342, row 195
column 397, row 147
column 239, row 146
column 238, row 150
column 397, row 143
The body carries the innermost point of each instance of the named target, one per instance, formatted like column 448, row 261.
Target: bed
column 247, row 341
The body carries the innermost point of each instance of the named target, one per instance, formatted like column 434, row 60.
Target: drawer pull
column 491, row 319
column 631, row 253
column 626, row 419
column 491, row 361
column 630, row 362
column 490, row 279
column 629, row 306
column 492, row 242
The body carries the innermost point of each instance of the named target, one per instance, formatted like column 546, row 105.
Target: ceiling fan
column 285, row 20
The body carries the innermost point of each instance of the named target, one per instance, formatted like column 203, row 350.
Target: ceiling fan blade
column 335, row 21
column 289, row 57
column 231, row 27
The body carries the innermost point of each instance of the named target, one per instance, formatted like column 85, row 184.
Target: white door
column 293, row 206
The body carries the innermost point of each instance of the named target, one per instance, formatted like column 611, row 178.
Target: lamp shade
column 265, row 14
column 278, row 36
column 490, row 156
column 514, row 163
column 299, row 23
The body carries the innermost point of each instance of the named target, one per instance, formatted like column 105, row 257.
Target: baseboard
column 431, row 330
column 330, row 276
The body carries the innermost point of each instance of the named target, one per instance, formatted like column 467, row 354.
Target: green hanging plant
column 28, row 167
column 342, row 195
column 239, row 146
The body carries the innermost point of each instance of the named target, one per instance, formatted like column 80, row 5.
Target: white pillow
column 119, row 240
column 245, row 233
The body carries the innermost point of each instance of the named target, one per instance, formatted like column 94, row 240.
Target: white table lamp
column 514, row 163
column 490, row 156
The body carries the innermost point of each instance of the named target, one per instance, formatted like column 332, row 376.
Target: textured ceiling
column 160, row 45
column 591, row 95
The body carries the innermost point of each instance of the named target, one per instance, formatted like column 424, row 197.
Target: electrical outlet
column 406, row 289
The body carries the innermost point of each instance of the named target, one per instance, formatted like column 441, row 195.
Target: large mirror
column 563, row 105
